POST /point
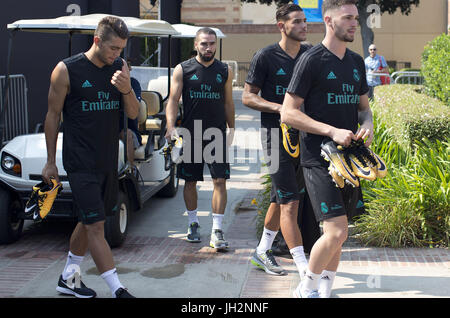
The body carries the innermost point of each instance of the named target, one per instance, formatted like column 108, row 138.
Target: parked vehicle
column 23, row 157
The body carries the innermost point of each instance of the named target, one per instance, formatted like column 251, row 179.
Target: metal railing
column 402, row 77
column 16, row 116
column 407, row 77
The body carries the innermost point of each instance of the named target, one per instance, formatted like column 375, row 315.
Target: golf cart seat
column 151, row 104
column 154, row 106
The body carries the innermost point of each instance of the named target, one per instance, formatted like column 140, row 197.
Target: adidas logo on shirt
column 331, row 76
column 86, row 84
column 194, row 78
column 281, row 72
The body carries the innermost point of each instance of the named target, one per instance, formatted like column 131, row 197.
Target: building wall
column 207, row 12
column 401, row 38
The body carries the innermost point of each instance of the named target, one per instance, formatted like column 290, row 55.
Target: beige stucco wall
column 401, row 38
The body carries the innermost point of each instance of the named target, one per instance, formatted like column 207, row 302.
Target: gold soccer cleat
column 371, row 158
column 360, row 167
column 291, row 141
column 381, row 169
column 340, row 161
column 32, row 203
column 46, row 196
column 337, row 179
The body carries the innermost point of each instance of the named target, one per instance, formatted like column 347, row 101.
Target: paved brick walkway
column 22, row 262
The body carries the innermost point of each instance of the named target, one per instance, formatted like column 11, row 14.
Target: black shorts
column 199, row 152
column 285, row 171
column 327, row 200
column 94, row 195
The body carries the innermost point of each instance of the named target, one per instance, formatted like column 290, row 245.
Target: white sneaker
column 298, row 293
column 218, row 240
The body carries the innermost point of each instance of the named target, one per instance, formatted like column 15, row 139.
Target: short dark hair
column 283, row 11
column 335, row 4
column 205, row 30
column 112, row 26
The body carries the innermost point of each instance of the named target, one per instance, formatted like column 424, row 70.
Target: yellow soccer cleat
column 360, row 167
column 381, row 169
column 46, row 197
column 371, row 158
column 291, row 141
column 340, row 161
column 337, row 179
column 32, row 203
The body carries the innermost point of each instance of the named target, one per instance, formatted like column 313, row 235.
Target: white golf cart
column 23, row 157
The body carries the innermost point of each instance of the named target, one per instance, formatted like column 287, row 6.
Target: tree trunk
column 366, row 31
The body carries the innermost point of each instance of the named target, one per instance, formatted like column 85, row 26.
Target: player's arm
column 229, row 103
column 293, row 116
column 59, row 88
column 176, row 89
column 251, row 99
column 122, row 81
column 229, row 107
column 365, row 120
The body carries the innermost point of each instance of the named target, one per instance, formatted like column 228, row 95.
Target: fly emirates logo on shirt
column 103, row 103
column 348, row 96
column 204, row 93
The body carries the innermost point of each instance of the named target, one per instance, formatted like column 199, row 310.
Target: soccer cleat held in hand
column 371, row 159
column 177, row 149
column 32, row 203
column 381, row 169
column 46, row 196
column 291, row 141
column 340, row 161
column 363, row 166
column 337, row 179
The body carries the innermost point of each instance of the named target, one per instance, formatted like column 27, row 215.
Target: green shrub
column 436, row 68
column 410, row 115
column 411, row 206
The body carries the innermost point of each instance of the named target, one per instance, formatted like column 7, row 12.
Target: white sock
column 192, row 215
column 217, row 221
column 311, row 282
column 326, row 282
column 69, row 269
column 300, row 260
column 112, row 279
column 266, row 241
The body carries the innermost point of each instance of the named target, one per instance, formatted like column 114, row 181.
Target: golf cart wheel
column 170, row 189
column 116, row 226
column 10, row 225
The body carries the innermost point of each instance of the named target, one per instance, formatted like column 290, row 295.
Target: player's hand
column 121, row 79
column 171, row 133
column 342, row 137
column 365, row 134
column 50, row 171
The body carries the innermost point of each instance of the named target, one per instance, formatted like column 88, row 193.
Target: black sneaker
column 82, row 292
column 123, row 293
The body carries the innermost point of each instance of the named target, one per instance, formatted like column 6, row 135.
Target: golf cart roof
column 86, row 24
column 189, row 31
